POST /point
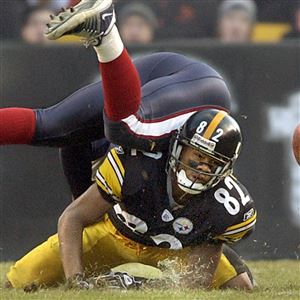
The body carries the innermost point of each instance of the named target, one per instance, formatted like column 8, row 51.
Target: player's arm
column 201, row 264
column 88, row 209
column 84, row 211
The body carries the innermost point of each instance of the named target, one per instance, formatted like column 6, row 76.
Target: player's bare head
column 204, row 150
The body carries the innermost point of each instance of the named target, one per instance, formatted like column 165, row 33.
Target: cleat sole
column 72, row 18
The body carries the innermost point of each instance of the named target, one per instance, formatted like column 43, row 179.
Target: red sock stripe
column 122, row 87
column 17, row 125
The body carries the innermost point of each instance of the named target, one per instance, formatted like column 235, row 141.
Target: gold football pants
column 103, row 246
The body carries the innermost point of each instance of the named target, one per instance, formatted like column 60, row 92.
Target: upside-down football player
column 166, row 192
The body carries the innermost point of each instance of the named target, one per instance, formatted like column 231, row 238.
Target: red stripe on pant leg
column 17, row 125
column 122, row 87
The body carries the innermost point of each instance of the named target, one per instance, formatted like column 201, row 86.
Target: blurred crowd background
column 144, row 22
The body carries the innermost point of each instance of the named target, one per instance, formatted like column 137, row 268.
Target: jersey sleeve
column 240, row 230
column 110, row 177
column 236, row 210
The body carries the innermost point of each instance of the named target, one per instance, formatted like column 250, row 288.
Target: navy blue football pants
column 76, row 123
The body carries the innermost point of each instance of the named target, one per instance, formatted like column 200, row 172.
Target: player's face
column 194, row 161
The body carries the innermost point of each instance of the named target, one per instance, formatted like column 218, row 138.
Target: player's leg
column 77, row 167
column 121, row 89
column 232, row 272
column 233, row 263
column 17, row 125
column 95, row 21
column 43, row 267
column 77, row 119
column 178, row 87
column 77, row 164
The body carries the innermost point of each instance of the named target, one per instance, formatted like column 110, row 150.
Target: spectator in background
column 34, row 22
column 295, row 32
column 236, row 20
column 137, row 23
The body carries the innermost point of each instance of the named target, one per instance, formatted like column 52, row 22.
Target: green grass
column 275, row 280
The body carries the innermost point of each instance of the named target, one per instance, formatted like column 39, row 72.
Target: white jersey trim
column 115, row 167
column 156, row 129
column 240, row 229
column 103, row 181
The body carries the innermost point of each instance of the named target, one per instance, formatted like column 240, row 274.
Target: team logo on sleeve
column 183, row 225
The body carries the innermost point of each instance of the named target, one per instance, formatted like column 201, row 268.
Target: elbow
column 66, row 221
column 62, row 221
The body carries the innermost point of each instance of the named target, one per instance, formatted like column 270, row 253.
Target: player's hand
column 117, row 280
column 78, row 281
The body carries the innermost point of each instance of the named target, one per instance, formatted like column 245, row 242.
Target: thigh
column 189, row 85
column 43, row 267
column 79, row 118
column 75, row 120
column 174, row 88
column 157, row 65
column 172, row 83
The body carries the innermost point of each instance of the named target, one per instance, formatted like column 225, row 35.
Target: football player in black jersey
column 147, row 207
column 135, row 211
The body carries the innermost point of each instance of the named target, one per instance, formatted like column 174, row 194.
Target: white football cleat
column 90, row 19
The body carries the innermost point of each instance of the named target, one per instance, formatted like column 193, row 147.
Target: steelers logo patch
column 183, row 225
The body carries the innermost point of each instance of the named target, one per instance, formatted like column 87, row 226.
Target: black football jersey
column 136, row 182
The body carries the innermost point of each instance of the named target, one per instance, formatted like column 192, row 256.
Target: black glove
column 78, row 281
column 118, row 280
